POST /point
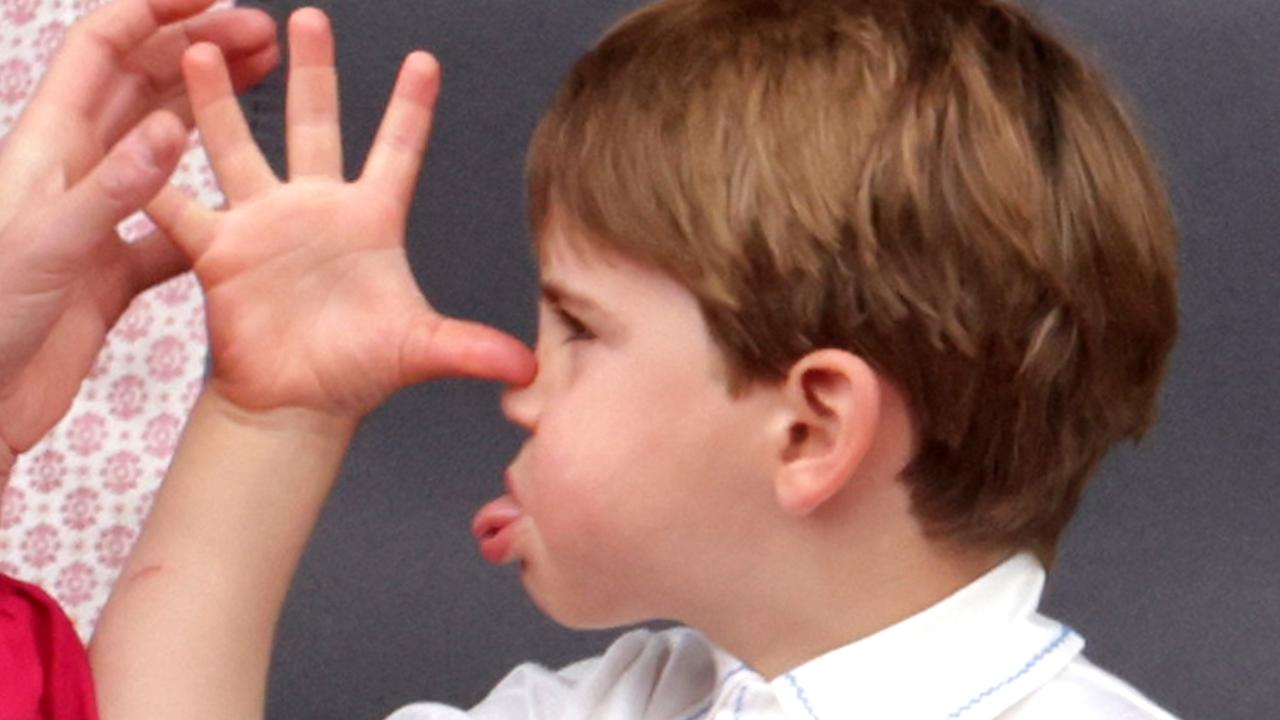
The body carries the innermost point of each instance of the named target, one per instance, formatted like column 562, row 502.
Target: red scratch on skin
column 148, row 570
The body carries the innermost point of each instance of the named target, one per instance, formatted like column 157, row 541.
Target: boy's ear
column 833, row 398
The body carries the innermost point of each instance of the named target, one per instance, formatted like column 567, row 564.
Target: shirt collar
column 971, row 656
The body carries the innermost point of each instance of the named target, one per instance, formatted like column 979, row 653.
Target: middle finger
column 313, row 136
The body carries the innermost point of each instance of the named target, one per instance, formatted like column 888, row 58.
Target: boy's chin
column 576, row 617
column 582, row 611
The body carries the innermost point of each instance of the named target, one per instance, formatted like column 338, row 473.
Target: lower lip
column 496, row 548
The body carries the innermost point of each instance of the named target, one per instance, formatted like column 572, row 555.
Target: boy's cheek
column 571, row 485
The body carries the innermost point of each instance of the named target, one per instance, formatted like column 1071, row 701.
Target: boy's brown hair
column 937, row 186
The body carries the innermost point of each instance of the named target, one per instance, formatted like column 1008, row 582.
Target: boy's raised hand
column 311, row 302
column 314, row 318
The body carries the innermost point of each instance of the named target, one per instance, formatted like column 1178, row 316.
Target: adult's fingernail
column 131, row 164
column 137, row 160
column 165, row 135
column 139, row 148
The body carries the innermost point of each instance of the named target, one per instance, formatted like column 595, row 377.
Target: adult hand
column 311, row 302
column 103, row 133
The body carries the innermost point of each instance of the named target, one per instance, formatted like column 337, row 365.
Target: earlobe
column 833, row 398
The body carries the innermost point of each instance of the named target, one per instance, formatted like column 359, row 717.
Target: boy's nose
column 520, row 405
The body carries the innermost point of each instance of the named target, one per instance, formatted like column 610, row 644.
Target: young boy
column 842, row 303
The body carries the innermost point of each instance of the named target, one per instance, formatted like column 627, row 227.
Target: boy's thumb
column 445, row 347
column 132, row 172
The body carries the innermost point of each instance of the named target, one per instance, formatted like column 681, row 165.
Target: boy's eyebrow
column 557, row 294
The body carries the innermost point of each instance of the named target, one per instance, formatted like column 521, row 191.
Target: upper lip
column 509, row 483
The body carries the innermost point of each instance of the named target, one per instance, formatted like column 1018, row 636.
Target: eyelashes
column 575, row 329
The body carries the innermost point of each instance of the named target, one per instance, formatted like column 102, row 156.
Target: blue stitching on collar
column 739, row 668
column 702, row 711
column 737, row 703
column 1035, row 660
column 804, row 699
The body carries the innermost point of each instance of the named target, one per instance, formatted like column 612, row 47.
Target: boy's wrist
column 287, row 419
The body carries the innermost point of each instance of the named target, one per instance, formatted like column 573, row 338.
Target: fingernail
column 131, row 165
column 140, row 146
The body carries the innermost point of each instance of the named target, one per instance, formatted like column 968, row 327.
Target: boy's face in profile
column 641, row 483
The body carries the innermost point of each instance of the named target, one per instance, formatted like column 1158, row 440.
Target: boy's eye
column 574, row 327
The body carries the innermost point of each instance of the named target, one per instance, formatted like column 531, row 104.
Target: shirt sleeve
column 643, row 675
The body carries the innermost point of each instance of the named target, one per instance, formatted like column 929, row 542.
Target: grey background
column 1171, row 569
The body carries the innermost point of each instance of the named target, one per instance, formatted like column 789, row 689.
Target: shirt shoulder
column 1084, row 691
column 643, row 674
column 46, row 669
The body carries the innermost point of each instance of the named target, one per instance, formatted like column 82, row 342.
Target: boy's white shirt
column 984, row 652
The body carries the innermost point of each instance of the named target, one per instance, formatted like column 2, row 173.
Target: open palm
column 311, row 301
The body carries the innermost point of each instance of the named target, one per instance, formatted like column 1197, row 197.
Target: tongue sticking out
column 493, row 528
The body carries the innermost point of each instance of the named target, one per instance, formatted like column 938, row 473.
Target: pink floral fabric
column 76, row 501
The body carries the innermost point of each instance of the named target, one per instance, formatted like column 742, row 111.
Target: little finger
column 396, row 156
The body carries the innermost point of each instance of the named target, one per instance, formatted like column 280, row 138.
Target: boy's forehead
column 592, row 274
column 566, row 248
column 568, row 263
column 566, row 272
column 574, row 262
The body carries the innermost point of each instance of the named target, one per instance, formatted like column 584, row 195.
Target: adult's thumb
column 132, row 172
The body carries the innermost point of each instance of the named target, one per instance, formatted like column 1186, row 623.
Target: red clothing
column 44, row 669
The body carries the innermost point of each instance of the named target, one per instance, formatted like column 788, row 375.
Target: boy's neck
column 816, row 603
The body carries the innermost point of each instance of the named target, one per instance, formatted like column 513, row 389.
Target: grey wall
column 1172, row 568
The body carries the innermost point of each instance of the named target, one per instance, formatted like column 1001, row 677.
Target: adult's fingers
column 241, row 169
column 245, row 72
column 240, row 32
column 120, row 25
column 313, row 136
column 396, row 156
column 248, row 70
column 446, row 347
column 151, row 75
column 98, row 45
column 127, row 178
